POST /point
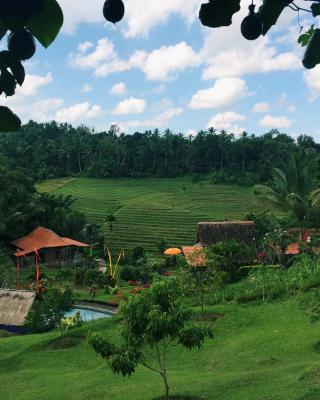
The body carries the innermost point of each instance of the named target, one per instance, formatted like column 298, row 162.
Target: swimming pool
column 87, row 314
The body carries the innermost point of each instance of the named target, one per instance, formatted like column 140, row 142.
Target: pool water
column 87, row 315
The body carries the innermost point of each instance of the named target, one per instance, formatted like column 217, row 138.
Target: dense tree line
column 22, row 208
column 53, row 150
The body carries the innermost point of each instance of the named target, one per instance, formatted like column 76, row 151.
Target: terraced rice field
column 149, row 210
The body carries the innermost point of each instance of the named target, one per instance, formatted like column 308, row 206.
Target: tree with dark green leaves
column 53, row 150
column 153, row 321
column 292, row 190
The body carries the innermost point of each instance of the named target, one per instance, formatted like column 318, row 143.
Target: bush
column 137, row 253
column 80, row 274
column 64, row 274
column 93, row 276
column 228, row 256
column 266, row 282
column 47, row 311
column 129, row 273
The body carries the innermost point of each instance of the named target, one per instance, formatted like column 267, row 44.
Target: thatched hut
column 15, row 306
column 209, row 233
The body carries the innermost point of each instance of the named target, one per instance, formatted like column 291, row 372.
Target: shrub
column 47, row 311
column 228, row 256
column 129, row 273
column 137, row 254
column 93, row 276
column 64, row 274
column 80, row 274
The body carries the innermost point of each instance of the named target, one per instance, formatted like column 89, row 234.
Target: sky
column 160, row 68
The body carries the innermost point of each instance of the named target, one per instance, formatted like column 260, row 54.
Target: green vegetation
column 153, row 209
column 154, row 321
column 260, row 351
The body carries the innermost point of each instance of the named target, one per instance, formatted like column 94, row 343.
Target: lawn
column 260, row 352
column 149, row 210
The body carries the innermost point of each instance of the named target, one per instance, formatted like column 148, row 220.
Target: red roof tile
column 42, row 238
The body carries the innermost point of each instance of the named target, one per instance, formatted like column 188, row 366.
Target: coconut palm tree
column 292, row 190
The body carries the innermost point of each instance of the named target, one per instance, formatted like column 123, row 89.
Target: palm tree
column 292, row 190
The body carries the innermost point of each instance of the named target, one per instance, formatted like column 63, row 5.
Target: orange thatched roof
column 194, row 255
column 172, row 252
column 42, row 238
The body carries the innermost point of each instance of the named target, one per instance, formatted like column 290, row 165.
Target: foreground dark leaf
column 46, row 25
column 270, row 11
column 218, row 13
column 8, row 120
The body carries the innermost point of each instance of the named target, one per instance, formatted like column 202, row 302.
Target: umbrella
column 172, row 252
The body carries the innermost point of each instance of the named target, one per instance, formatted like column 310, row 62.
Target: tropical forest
column 159, row 200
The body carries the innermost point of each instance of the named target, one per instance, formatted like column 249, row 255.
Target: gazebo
column 46, row 246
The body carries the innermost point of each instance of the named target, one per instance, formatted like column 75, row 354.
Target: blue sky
column 159, row 68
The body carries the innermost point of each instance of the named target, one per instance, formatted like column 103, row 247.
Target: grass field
column 153, row 209
column 260, row 352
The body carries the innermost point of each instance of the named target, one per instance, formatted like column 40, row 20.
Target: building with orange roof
column 50, row 247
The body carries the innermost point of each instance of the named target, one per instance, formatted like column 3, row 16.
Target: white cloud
column 142, row 17
column 160, row 89
column 102, row 52
column 312, row 79
column 26, row 101
column 228, row 54
column 42, row 111
column 32, row 84
column 162, row 105
column 226, row 121
column 158, row 121
column 224, row 93
column 165, row 63
column 84, row 46
column 259, row 59
column 261, row 107
column 78, row 112
column 139, row 18
column 292, row 109
column 119, row 89
column 86, row 88
column 161, row 64
column 130, row 106
column 276, row 122
column 75, row 14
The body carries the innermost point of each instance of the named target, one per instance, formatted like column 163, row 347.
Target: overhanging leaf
column 270, row 11
column 3, row 30
column 218, row 13
column 315, row 8
column 305, row 37
column 46, row 25
column 312, row 55
column 9, row 122
column 7, row 60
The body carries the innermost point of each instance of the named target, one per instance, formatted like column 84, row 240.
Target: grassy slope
column 261, row 352
column 153, row 209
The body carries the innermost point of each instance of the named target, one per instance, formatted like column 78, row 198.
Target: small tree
column 198, row 280
column 156, row 319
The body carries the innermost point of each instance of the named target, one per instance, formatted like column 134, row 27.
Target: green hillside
column 153, row 209
column 260, row 352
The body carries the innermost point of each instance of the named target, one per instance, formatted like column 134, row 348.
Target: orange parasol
column 172, row 252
